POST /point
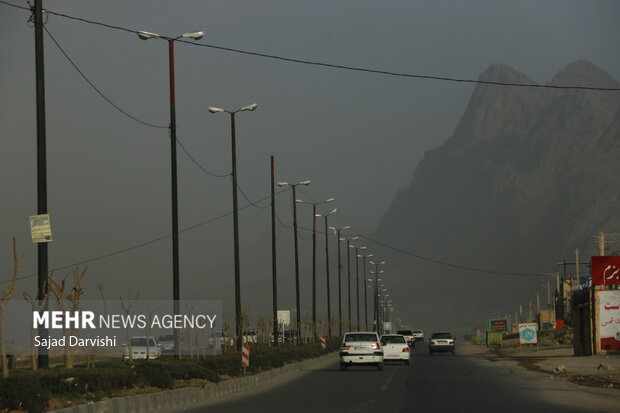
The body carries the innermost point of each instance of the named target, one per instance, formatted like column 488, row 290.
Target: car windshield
column 404, row 332
column 141, row 341
column 417, row 331
column 392, row 339
column 360, row 337
column 441, row 335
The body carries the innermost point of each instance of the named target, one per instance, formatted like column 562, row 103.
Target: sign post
column 323, row 343
column 528, row 334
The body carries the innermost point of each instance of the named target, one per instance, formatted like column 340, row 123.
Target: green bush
column 23, row 392
column 155, row 374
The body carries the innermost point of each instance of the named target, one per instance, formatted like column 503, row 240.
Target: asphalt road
column 466, row 382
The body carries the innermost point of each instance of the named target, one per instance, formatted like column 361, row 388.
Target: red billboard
column 606, row 270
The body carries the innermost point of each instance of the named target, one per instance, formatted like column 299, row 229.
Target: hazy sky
column 357, row 136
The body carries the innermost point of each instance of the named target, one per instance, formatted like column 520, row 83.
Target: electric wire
column 118, row 108
column 331, row 65
column 195, row 162
column 189, row 155
column 143, row 244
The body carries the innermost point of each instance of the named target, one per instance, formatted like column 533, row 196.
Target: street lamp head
column 304, row 183
column 251, row 107
column 282, row 183
column 147, row 35
column 213, row 109
column 370, row 255
column 299, row 201
column 363, row 248
column 194, row 35
column 329, row 200
column 333, row 211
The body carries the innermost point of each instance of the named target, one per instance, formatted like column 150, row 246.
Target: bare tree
column 36, row 305
column 74, row 299
column 126, row 306
column 3, row 303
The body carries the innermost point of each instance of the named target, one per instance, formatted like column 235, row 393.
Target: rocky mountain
column 528, row 175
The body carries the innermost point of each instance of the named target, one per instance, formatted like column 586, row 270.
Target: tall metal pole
column 236, row 235
column 176, row 294
column 349, row 278
column 365, row 296
column 339, row 286
column 273, row 256
column 377, row 298
column 42, row 252
column 314, row 336
column 329, row 308
column 357, row 286
column 296, row 263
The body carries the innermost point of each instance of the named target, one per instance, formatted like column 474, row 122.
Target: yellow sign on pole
column 40, row 228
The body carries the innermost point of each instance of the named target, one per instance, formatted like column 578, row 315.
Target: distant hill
column 528, row 175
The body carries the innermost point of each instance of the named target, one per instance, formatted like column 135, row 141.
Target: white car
column 140, row 347
column 395, row 347
column 250, row 337
column 361, row 348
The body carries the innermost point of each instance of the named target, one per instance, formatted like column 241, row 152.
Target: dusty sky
column 357, row 136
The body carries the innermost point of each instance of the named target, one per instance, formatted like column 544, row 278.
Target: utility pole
column 314, row 336
column 42, row 252
column 276, row 336
column 339, row 286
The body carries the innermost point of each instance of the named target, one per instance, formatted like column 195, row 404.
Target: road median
column 179, row 398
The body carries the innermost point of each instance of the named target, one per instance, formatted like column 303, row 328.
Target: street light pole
column 365, row 292
column 329, row 308
column 176, row 293
column 233, row 141
column 338, row 239
column 314, row 215
column 276, row 336
column 357, row 282
column 42, row 250
column 377, row 315
column 297, row 294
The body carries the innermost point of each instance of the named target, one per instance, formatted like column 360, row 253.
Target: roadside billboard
column 498, row 325
column 606, row 270
column 609, row 319
column 528, row 333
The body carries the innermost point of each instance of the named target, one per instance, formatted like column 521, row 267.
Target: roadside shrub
column 154, row 374
column 564, row 335
column 23, row 392
column 190, row 369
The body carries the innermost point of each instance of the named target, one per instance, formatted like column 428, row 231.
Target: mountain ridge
column 528, row 175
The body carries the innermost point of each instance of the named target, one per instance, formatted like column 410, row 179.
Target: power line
column 143, row 244
column 96, row 88
column 189, row 155
column 332, row 65
column 195, row 162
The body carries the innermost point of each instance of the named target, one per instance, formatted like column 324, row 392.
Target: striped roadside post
column 323, row 344
column 245, row 357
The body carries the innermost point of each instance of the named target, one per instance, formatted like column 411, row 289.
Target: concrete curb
column 178, row 398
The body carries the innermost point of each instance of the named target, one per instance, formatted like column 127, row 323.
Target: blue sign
column 528, row 333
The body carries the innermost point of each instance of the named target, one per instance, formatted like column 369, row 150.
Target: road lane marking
column 385, row 385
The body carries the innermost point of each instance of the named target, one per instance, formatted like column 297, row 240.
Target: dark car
column 441, row 342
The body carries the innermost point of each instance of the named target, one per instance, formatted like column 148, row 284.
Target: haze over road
column 441, row 383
